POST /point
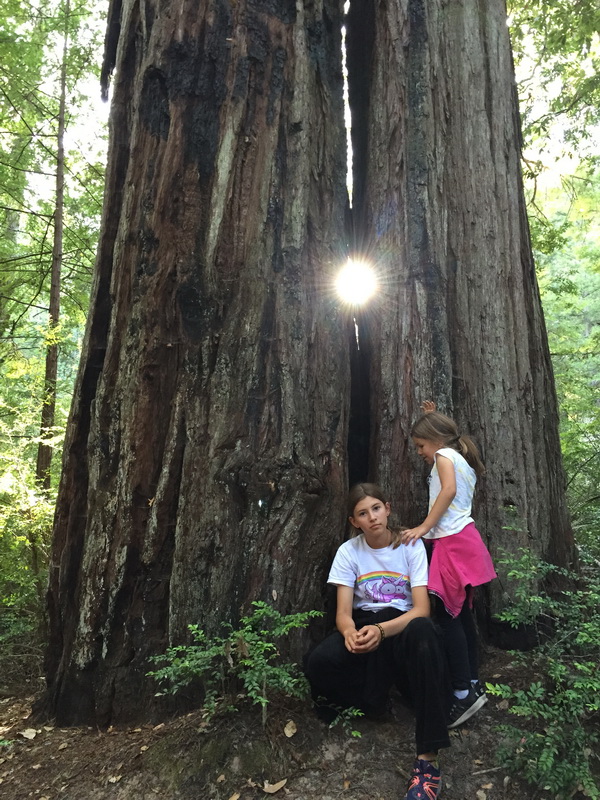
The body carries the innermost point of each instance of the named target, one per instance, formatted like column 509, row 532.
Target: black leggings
column 413, row 660
column 459, row 636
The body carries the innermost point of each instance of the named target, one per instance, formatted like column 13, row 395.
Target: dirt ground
column 234, row 758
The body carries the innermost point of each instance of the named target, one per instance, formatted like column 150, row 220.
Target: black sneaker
column 480, row 691
column 461, row 710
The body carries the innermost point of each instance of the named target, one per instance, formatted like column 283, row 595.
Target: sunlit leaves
column 557, row 51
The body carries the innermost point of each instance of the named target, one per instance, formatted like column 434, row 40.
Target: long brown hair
column 359, row 492
column 436, row 427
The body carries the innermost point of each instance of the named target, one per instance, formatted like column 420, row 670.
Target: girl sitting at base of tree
column 384, row 635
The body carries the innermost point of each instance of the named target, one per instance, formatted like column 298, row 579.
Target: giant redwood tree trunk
column 205, row 459
column 440, row 208
column 205, row 463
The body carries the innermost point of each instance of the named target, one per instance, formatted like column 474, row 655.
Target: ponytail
column 470, row 452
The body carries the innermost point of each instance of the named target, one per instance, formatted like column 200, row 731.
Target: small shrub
column 553, row 748
column 346, row 717
column 242, row 663
column 25, row 526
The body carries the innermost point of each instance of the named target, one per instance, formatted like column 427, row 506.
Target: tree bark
column 204, row 464
column 440, row 209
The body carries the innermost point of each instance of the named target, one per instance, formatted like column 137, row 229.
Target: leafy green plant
column 26, row 516
column 553, row 747
column 242, row 663
column 346, row 717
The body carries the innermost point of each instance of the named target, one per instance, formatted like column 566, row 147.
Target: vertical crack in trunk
column 360, row 34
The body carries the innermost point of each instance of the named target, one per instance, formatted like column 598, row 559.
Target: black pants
column 459, row 635
column 413, row 660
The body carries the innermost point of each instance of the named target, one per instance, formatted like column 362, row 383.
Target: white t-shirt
column 381, row 577
column 458, row 515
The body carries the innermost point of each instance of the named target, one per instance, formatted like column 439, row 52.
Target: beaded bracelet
column 381, row 631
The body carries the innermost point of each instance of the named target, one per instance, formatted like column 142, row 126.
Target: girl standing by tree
column 460, row 560
column 383, row 634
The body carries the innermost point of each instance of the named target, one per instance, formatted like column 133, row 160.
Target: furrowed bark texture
column 205, row 460
column 459, row 320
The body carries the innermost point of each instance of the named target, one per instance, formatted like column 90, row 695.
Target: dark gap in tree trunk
column 360, row 32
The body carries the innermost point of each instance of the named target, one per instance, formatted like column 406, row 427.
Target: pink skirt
column 458, row 563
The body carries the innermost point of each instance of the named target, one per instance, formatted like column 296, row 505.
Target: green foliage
column 527, row 574
column 569, row 279
column 554, row 744
column 242, row 663
column 346, row 717
column 25, row 528
column 557, row 52
column 32, row 52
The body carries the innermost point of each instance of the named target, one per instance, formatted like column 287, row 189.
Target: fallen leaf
column 481, row 795
column 114, row 778
column 346, row 784
column 221, row 778
column 235, row 796
column 28, row 733
column 63, row 746
column 158, row 727
column 143, row 748
column 290, row 729
column 48, row 728
column 487, row 785
column 271, row 788
column 497, row 675
column 274, row 594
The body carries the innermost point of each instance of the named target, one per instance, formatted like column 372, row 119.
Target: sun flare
column 356, row 282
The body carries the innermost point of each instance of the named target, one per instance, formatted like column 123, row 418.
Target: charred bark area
column 207, row 442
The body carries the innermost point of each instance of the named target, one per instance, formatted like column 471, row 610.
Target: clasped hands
column 367, row 639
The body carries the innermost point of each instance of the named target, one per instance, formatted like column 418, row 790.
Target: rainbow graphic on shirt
column 383, row 587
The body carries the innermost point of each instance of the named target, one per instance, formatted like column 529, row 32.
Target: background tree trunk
column 45, row 450
column 205, row 458
column 439, row 206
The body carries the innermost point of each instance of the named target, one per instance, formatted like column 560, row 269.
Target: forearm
column 395, row 626
column 344, row 622
column 442, row 503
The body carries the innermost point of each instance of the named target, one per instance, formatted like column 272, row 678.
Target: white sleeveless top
column 458, row 515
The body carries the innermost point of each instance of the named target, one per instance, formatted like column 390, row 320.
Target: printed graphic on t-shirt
column 382, row 587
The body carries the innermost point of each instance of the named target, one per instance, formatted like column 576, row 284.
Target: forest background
column 52, row 158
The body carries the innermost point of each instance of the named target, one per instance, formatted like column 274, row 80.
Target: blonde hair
column 436, row 427
column 359, row 492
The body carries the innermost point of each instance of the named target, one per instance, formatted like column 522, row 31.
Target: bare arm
column 442, row 503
